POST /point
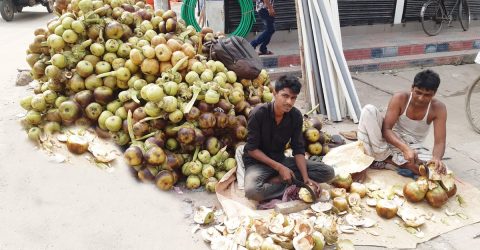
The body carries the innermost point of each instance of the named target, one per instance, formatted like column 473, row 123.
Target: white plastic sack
column 477, row 59
column 240, row 167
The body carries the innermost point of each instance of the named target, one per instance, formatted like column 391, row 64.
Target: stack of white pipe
column 326, row 71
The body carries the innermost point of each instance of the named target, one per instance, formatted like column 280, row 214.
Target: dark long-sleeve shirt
column 264, row 133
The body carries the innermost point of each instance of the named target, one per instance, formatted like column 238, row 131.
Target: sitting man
column 397, row 138
column 270, row 127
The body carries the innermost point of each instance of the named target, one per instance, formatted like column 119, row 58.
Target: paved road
column 46, row 205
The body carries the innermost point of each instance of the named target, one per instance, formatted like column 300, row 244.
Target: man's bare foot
column 412, row 167
column 378, row 165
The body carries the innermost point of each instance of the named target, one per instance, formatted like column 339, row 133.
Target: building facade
column 351, row 12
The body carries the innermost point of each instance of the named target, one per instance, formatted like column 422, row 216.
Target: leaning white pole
column 336, row 22
column 399, row 12
column 351, row 92
column 315, row 70
column 334, row 78
column 343, row 72
column 334, row 69
column 302, row 54
column 333, row 113
column 308, row 65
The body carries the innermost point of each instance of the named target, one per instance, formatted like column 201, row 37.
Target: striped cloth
column 370, row 134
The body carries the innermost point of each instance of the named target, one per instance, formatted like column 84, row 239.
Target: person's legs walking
column 269, row 29
column 257, row 186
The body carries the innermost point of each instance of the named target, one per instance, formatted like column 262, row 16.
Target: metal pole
column 353, row 101
column 311, row 53
column 336, row 22
column 303, row 60
column 333, row 113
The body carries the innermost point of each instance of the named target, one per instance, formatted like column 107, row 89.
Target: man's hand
column 439, row 166
column 271, row 11
column 411, row 156
column 315, row 186
column 286, row 174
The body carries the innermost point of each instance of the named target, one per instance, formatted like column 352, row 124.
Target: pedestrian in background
column 267, row 14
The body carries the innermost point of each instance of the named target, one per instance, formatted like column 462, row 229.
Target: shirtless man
column 398, row 136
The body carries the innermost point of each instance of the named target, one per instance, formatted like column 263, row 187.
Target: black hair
column 288, row 81
column 427, row 79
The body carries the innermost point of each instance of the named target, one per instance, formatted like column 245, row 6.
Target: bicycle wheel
column 464, row 14
column 432, row 17
column 472, row 105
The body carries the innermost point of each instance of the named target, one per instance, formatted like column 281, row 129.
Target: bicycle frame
column 449, row 13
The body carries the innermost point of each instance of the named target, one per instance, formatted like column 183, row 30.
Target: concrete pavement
column 46, row 205
column 462, row 142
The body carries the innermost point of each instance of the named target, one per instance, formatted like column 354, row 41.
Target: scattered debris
column 291, row 206
column 462, row 216
column 460, row 200
column 23, row 78
column 203, row 215
column 58, row 158
column 103, row 152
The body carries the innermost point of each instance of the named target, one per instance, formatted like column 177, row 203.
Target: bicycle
column 434, row 13
column 472, row 102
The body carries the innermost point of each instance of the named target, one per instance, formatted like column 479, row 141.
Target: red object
column 151, row 3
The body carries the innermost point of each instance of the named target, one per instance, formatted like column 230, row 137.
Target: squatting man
column 397, row 137
column 270, row 127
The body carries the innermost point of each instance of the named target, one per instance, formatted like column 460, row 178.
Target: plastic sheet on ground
column 233, row 200
column 388, row 233
column 392, row 235
column 348, row 158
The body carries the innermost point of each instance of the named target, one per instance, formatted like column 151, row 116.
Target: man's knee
column 252, row 185
column 329, row 172
column 369, row 113
column 252, row 193
column 370, row 109
column 321, row 172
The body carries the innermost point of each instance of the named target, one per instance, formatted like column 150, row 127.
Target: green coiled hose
column 246, row 23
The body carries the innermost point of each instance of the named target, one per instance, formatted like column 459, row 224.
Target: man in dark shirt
column 270, row 127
